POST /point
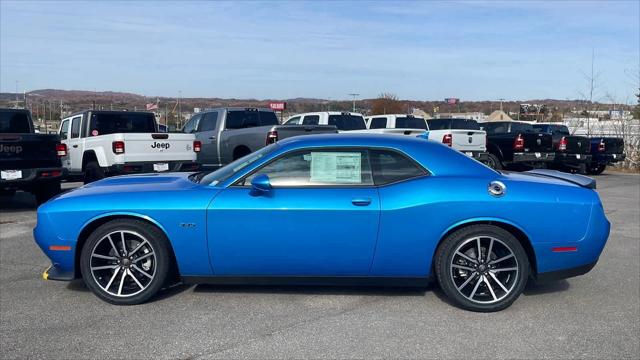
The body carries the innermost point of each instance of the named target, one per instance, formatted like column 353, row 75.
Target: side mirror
column 261, row 183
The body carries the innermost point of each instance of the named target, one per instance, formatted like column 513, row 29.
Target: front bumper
column 32, row 177
column 55, row 272
column 148, row 167
column 532, row 157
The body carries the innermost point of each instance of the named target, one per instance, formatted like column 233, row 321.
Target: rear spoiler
column 580, row 180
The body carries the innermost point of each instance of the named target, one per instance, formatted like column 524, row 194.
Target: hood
column 142, row 183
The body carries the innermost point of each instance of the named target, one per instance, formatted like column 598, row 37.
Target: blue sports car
column 347, row 209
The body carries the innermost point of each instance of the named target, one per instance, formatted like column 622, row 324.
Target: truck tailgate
column 25, row 151
column 577, row 144
column 158, row 147
column 469, row 140
column 537, row 142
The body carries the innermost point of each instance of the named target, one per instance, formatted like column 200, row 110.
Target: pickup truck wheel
column 482, row 268
column 493, row 162
column 125, row 262
column 7, row 192
column 595, row 169
column 93, row 172
column 46, row 191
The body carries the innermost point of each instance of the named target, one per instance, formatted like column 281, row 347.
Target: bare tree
column 387, row 103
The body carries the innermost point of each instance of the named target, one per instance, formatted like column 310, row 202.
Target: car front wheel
column 482, row 268
column 125, row 262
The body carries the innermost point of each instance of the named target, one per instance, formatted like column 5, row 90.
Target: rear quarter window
column 378, row 123
column 391, row 166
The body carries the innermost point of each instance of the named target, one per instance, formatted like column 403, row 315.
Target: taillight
column 118, row 147
column 272, row 137
column 197, row 146
column 61, row 150
column 447, row 139
column 518, row 143
column 562, row 146
column 601, row 146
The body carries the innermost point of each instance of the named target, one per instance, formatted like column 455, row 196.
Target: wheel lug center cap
column 482, row 268
column 126, row 262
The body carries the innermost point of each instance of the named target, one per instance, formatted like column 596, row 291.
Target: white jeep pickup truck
column 104, row 143
column 463, row 135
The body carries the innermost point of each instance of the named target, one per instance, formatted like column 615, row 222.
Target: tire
column 7, row 193
column 493, row 162
column 46, row 191
column 595, row 169
column 93, row 172
column 240, row 152
column 463, row 281
column 131, row 279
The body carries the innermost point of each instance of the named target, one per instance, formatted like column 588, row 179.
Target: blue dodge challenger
column 326, row 210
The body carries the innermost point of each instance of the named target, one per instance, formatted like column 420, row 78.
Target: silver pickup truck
column 230, row 133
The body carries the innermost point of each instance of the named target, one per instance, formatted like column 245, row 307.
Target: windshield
column 15, row 122
column 121, row 122
column 228, row 171
column 410, row 123
column 347, row 122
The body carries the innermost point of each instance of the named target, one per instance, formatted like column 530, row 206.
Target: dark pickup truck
column 512, row 143
column 605, row 151
column 572, row 152
column 29, row 161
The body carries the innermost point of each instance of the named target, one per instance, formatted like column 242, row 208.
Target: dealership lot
column 593, row 316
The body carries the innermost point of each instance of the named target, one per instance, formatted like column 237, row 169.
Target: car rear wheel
column 93, row 172
column 493, row 162
column 482, row 268
column 125, row 262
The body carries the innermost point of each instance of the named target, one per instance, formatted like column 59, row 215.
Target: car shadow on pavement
column 540, row 289
column 313, row 290
column 18, row 202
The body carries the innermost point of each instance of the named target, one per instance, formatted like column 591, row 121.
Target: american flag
column 152, row 106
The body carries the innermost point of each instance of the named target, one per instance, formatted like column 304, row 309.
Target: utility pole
column 179, row 109
column 501, row 100
column 354, row 100
column 15, row 106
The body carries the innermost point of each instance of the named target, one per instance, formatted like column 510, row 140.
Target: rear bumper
column 478, row 155
column 609, row 158
column 567, row 158
column 148, row 167
column 532, row 157
column 32, row 177
column 564, row 274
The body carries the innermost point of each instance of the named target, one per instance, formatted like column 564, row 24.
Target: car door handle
column 75, row 146
column 212, row 137
column 361, row 202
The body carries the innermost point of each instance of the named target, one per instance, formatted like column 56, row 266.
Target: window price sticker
column 336, row 167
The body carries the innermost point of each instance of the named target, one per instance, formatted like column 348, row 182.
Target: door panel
column 75, row 146
column 293, row 231
column 208, row 135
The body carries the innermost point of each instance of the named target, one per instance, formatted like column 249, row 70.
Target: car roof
column 235, row 108
column 437, row 158
column 327, row 112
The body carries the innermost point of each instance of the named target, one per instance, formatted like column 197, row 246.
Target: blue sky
column 474, row 50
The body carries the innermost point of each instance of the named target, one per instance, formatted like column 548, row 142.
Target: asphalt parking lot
column 593, row 316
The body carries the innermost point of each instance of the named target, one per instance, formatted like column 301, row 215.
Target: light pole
column 354, row 100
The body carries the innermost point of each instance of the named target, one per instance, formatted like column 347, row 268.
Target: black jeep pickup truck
column 605, row 151
column 514, row 143
column 573, row 152
column 28, row 161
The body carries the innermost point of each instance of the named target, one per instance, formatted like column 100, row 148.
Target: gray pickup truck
column 227, row 134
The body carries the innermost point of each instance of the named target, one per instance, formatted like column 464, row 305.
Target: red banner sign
column 278, row 106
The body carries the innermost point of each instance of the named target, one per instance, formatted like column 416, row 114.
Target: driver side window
column 318, row 168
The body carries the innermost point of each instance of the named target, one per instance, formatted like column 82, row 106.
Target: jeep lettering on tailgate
column 157, row 145
column 12, row 149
